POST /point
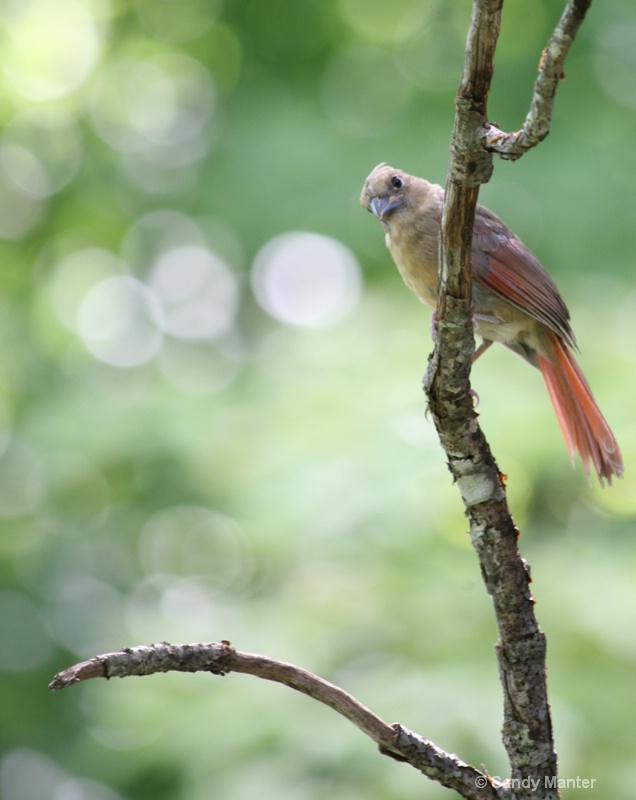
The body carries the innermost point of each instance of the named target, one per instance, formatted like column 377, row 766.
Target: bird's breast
column 416, row 259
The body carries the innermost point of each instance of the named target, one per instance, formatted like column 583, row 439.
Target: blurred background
column 211, row 419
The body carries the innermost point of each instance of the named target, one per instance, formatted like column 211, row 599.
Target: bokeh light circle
column 165, row 101
column 74, row 274
column 306, row 279
column 119, row 321
column 52, row 48
column 198, row 292
column 41, row 151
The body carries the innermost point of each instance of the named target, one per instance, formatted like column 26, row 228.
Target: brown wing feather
column 504, row 265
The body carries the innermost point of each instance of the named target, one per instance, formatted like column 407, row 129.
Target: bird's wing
column 505, row 266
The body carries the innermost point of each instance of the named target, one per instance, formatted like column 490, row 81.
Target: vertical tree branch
column 521, row 649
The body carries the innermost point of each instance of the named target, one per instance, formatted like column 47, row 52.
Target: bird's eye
column 397, row 182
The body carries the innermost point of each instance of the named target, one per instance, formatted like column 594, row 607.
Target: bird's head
column 385, row 192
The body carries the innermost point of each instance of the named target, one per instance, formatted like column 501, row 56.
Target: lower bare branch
column 220, row 658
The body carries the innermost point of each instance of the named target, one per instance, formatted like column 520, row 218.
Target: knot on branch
column 476, row 484
column 471, row 164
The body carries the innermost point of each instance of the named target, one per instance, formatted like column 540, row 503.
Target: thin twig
column 220, row 658
column 537, row 124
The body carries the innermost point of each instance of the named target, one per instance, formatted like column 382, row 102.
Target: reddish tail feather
column 583, row 426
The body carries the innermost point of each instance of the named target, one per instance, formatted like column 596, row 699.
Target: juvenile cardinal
column 515, row 302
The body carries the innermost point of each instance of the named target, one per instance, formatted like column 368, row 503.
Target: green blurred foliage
column 205, row 439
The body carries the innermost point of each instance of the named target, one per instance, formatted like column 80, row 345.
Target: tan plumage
column 516, row 302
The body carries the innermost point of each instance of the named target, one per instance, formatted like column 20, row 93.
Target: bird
column 514, row 302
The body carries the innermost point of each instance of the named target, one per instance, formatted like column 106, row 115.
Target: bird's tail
column 584, row 427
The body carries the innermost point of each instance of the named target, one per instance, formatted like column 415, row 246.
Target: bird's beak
column 383, row 206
